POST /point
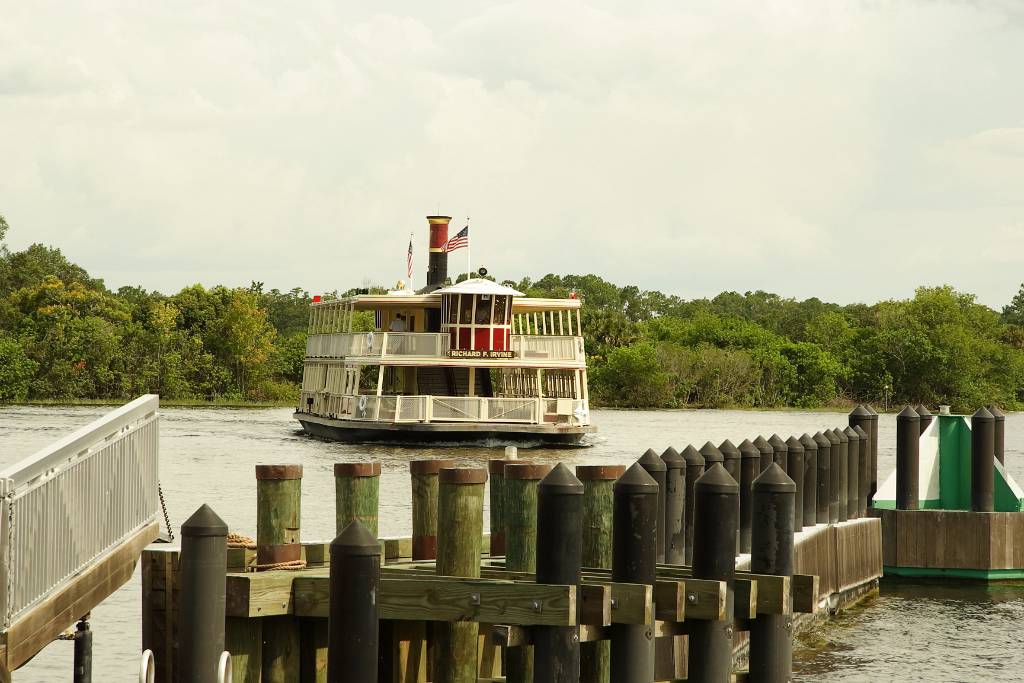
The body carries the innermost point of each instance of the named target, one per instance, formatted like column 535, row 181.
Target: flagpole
column 409, row 266
column 469, row 251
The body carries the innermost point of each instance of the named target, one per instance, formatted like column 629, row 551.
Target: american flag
column 408, row 259
column 460, row 240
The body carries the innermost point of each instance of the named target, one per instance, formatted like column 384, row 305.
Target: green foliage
column 66, row 336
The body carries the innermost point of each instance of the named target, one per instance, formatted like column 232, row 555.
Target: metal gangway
column 74, row 518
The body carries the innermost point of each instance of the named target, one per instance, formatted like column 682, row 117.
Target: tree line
column 65, row 336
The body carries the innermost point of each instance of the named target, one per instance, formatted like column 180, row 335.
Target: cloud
column 815, row 150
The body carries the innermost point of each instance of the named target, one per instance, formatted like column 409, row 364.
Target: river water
column 911, row 632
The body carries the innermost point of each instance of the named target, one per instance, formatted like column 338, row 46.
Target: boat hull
column 454, row 433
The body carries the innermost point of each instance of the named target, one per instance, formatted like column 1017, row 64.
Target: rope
column 163, row 505
column 237, row 540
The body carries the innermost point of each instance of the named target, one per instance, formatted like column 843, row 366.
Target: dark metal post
column 982, row 461
column 675, row 505
column 925, row 415
column 862, row 471
column 717, row 516
column 634, row 560
column 204, row 552
column 833, row 476
column 824, row 477
column 556, row 649
column 852, row 473
column 731, row 460
column 873, row 471
column 795, row 455
column 999, row 431
column 352, row 623
column 655, row 467
column 908, row 435
column 839, row 476
column 750, row 467
column 711, row 454
column 83, row 652
column 767, row 452
column 694, row 468
column 809, row 515
column 771, row 635
column 781, row 455
column 860, row 417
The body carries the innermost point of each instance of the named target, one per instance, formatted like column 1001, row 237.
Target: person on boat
column 398, row 324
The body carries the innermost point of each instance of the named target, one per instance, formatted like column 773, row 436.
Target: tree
column 248, row 337
column 632, row 377
column 4, row 227
column 16, row 369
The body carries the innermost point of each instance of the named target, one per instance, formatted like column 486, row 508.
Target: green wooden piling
column 278, row 520
column 598, row 491
column 356, row 495
column 460, row 517
column 496, row 480
column 521, row 481
column 424, row 475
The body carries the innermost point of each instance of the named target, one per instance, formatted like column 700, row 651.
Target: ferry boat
column 476, row 361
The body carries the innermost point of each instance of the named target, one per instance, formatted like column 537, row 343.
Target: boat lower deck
column 361, row 431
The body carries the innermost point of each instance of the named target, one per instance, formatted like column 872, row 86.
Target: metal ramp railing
column 67, row 510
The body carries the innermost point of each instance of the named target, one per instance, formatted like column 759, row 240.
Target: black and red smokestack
column 437, row 269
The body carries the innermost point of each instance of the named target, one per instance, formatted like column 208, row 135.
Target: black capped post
column 811, row 485
column 873, row 468
column 863, row 463
column 771, row 635
column 838, row 479
column 634, row 560
column 82, row 663
column 860, row 417
column 795, row 455
column 204, row 552
column 731, row 459
column 999, row 431
column 833, row 476
column 717, row 515
column 675, row 505
column 767, row 452
column 781, row 454
column 750, row 467
column 711, row 454
column 852, row 473
column 824, row 477
column 352, row 622
column 655, row 467
column 925, row 415
column 556, row 649
column 982, row 461
column 908, row 436
column 694, row 468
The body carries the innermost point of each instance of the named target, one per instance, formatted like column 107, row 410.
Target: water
column 911, row 632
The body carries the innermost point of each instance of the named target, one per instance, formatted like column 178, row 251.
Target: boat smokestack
column 437, row 269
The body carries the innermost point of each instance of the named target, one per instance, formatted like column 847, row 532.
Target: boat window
column 466, row 309
column 483, row 310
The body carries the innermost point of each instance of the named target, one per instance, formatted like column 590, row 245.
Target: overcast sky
column 846, row 150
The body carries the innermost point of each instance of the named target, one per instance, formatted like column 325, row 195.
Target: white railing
column 431, row 345
column 71, row 503
column 564, row 411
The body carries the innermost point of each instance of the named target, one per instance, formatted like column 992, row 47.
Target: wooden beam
column 37, row 628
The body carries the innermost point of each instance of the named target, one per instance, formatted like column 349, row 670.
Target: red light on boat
column 316, row 298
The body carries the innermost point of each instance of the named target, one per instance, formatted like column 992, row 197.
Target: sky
column 849, row 150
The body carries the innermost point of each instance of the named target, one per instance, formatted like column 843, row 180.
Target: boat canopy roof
column 479, row 286
column 372, row 302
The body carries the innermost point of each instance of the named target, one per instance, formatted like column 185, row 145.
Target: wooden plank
column 595, row 604
column 38, row 627
column 745, row 594
column 806, row 589
column 705, row 599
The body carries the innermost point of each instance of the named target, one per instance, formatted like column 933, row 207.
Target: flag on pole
column 460, row 240
column 408, row 259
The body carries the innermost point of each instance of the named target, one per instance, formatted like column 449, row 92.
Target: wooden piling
column 424, row 474
column 460, row 517
column 278, row 520
column 496, row 480
column 521, row 481
column 598, row 484
column 356, row 495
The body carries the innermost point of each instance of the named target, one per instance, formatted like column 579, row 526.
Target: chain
column 10, row 560
column 163, row 506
